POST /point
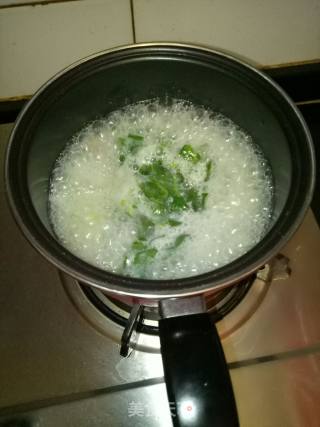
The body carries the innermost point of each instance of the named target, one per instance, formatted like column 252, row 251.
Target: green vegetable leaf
column 166, row 189
column 188, row 153
column 146, row 169
column 197, row 199
column 174, row 222
column 145, row 227
column 136, row 137
column 208, row 170
column 154, row 191
column 178, row 203
column 167, row 193
column 138, row 245
column 144, row 257
column 129, row 145
column 179, row 240
column 203, row 199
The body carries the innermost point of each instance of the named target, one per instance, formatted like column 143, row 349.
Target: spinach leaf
column 144, row 257
column 189, row 153
column 173, row 222
column 179, row 240
column 129, row 145
column 166, row 189
column 197, row 199
column 154, row 191
column 141, row 255
column 168, row 194
column 138, row 245
column 136, row 137
column 145, row 227
column 208, row 170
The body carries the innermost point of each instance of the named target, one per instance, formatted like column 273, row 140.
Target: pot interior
column 107, row 82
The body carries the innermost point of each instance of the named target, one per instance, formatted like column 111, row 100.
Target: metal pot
column 194, row 364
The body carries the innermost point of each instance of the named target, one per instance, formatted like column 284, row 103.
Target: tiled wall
column 37, row 41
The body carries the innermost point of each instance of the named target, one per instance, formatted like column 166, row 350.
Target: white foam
column 91, row 193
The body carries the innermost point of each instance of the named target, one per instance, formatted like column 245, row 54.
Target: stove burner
column 120, row 320
column 219, row 305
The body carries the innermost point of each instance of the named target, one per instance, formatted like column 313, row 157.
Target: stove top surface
column 60, row 366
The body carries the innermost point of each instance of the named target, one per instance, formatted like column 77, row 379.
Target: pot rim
column 183, row 287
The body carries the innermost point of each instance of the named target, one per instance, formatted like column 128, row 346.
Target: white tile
column 38, row 41
column 266, row 32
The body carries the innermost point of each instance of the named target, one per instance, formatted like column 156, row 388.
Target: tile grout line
column 276, row 357
column 75, row 397
column 133, row 22
column 33, row 4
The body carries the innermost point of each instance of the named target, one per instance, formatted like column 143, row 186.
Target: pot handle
column 197, row 377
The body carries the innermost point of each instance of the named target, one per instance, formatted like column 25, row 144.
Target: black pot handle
column 197, row 377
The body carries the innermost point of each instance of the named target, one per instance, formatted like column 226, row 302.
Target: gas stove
column 60, row 342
